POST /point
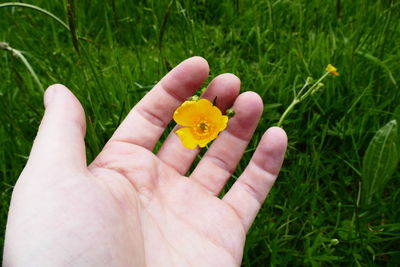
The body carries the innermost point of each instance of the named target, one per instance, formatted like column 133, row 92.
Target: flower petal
column 187, row 138
column 207, row 109
column 223, row 122
column 196, row 114
column 204, row 142
column 187, row 113
column 332, row 70
column 214, row 116
column 204, row 104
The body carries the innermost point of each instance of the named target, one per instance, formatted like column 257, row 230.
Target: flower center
column 202, row 129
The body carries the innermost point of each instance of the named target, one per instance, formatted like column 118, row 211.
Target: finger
column 60, row 139
column 250, row 190
column 219, row 162
column 226, row 88
column 147, row 120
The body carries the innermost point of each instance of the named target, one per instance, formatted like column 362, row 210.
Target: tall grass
column 313, row 216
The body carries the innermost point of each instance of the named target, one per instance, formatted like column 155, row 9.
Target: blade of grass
column 36, row 8
column 19, row 55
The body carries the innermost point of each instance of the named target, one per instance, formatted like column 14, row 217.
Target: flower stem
column 309, row 91
column 289, row 108
column 301, row 96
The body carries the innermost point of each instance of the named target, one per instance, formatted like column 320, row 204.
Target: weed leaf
column 380, row 161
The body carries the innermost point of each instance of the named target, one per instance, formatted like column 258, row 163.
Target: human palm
column 132, row 207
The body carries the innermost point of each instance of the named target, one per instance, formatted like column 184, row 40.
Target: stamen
column 203, row 126
column 202, row 129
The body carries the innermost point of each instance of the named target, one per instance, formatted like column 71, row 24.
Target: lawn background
column 125, row 47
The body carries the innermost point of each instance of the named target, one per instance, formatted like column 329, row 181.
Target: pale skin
column 131, row 207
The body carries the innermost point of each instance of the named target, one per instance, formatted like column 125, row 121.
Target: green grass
column 125, row 47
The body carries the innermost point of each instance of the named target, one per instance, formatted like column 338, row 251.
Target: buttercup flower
column 332, row 70
column 202, row 122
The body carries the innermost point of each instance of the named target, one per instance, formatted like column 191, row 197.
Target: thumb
column 60, row 139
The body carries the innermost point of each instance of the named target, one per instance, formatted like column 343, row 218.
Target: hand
column 131, row 207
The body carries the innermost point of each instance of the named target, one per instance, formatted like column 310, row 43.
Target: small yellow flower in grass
column 332, row 70
column 202, row 122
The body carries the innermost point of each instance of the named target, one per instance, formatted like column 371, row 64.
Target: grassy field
column 317, row 213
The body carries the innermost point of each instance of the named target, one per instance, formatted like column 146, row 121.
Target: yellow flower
column 202, row 122
column 332, row 70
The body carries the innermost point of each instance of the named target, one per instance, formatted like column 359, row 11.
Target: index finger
column 146, row 122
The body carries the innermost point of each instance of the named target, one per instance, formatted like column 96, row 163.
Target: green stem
column 302, row 89
column 309, row 91
column 298, row 98
column 289, row 108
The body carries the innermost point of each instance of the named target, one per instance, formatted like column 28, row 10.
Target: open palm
column 132, row 207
